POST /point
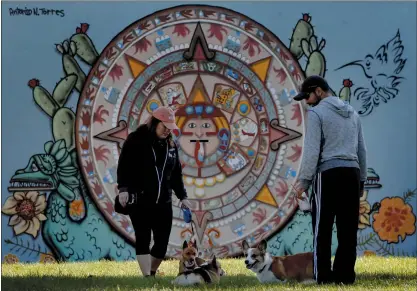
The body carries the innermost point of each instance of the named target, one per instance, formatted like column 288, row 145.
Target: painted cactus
column 345, row 92
column 303, row 30
column 43, row 98
column 63, row 89
column 63, row 119
column 84, row 47
column 63, row 126
column 316, row 63
column 70, row 65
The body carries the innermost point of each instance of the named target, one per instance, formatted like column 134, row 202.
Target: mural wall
column 72, row 96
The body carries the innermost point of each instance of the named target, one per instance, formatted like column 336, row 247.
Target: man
column 334, row 164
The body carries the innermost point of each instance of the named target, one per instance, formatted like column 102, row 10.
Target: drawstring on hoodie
column 160, row 179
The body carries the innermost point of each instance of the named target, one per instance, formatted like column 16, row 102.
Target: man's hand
column 299, row 191
column 303, row 203
column 123, row 198
column 301, row 198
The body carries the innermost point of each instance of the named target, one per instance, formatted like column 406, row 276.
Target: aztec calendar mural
column 230, row 81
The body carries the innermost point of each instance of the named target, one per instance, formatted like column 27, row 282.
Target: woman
column 149, row 169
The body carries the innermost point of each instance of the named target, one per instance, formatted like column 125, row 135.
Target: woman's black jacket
column 136, row 171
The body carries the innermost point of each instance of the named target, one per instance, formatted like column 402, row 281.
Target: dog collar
column 263, row 268
column 187, row 268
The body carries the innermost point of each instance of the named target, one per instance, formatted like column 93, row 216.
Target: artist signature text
column 36, row 12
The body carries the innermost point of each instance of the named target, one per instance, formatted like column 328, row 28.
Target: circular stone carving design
column 230, row 81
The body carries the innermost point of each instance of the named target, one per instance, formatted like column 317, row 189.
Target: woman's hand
column 123, row 198
column 186, row 203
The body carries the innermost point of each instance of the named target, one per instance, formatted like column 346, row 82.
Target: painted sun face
column 202, row 131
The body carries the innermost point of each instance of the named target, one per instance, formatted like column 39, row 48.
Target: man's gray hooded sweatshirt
column 334, row 138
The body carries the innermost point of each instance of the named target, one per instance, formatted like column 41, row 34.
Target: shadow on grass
column 385, row 277
column 109, row 282
column 133, row 282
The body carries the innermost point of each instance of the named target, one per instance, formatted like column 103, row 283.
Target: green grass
column 373, row 273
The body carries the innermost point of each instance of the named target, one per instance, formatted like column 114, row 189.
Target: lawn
column 374, row 273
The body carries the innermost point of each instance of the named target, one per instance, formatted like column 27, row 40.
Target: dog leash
column 188, row 217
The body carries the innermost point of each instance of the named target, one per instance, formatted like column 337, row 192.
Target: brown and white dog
column 189, row 259
column 270, row 269
column 208, row 273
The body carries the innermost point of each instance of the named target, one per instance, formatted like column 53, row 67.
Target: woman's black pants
column 155, row 218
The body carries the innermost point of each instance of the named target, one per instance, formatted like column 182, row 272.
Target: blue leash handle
column 186, row 213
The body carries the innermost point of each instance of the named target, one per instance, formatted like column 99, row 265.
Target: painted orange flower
column 364, row 210
column 26, row 211
column 76, row 208
column 11, row 259
column 394, row 219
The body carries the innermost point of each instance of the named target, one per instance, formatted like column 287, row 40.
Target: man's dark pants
column 336, row 195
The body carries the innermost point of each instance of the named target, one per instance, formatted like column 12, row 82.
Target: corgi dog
column 208, row 273
column 270, row 269
column 189, row 259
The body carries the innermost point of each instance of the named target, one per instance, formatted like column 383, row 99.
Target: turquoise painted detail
column 222, row 58
column 297, row 237
column 124, row 113
column 69, row 239
column 269, row 104
column 235, row 64
column 131, row 94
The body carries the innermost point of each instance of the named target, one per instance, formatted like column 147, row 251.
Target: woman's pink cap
column 166, row 115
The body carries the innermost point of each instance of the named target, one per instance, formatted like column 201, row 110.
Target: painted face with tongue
column 201, row 137
column 204, row 133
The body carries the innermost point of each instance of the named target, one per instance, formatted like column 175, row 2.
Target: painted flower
column 395, row 218
column 364, row 210
column 26, row 211
column 46, row 258
column 368, row 253
column 76, row 208
column 11, row 259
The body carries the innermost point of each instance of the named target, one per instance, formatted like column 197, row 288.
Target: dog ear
column 263, row 246
column 245, row 245
column 213, row 261
column 193, row 243
column 184, row 245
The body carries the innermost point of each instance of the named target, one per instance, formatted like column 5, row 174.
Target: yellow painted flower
column 394, row 219
column 26, row 211
column 11, row 259
column 364, row 210
column 46, row 258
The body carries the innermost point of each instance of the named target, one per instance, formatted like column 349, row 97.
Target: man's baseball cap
column 309, row 85
column 166, row 115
